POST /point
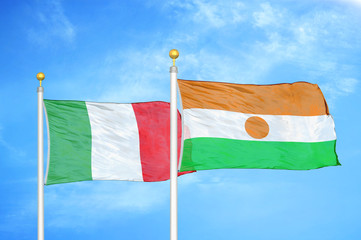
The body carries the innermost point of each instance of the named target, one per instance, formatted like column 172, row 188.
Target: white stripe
column 115, row 142
column 283, row 128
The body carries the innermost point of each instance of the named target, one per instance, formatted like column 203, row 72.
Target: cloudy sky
column 117, row 51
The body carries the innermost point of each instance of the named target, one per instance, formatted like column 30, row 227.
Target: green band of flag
column 70, row 141
column 217, row 153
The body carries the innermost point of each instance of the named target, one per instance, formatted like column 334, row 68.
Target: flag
column 108, row 141
column 281, row 126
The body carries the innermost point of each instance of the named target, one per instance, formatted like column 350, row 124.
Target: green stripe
column 216, row 153
column 70, row 142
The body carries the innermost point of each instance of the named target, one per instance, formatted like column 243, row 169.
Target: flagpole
column 173, row 148
column 40, row 76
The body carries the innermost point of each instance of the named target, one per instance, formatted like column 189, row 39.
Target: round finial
column 40, row 76
column 173, row 54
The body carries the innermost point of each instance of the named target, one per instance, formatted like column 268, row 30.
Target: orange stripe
column 300, row 98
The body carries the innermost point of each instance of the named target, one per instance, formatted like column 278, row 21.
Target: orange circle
column 257, row 127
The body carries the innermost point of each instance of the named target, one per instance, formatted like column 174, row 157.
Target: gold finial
column 40, row 76
column 173, row 54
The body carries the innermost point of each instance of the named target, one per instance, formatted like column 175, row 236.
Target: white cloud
column 353, row 2
column 207, row 65
column 218, row 15
column 135, row 76
column 121, row 75
column 306, row 41
column 339, row 88
column 210, row 13
column 268, row 16
column 348, row 85
column 52, row 24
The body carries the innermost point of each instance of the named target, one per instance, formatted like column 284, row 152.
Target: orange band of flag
column 299, row 99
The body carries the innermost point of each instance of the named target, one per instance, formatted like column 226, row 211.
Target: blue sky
column 118, row 51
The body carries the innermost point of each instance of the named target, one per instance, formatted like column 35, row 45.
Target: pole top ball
column 40, row 76
column 173, row 54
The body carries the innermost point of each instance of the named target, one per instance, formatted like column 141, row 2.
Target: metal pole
column 40, row 90
column 173, row 149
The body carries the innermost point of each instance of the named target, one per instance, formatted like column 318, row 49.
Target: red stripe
column 153, row 120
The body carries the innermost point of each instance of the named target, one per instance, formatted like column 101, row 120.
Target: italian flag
column 282, row 126
column 108, row 141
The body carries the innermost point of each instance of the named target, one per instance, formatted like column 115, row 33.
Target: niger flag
column 282, row 126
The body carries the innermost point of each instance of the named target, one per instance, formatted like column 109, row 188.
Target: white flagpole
column 40, row 76
column 173, row 148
